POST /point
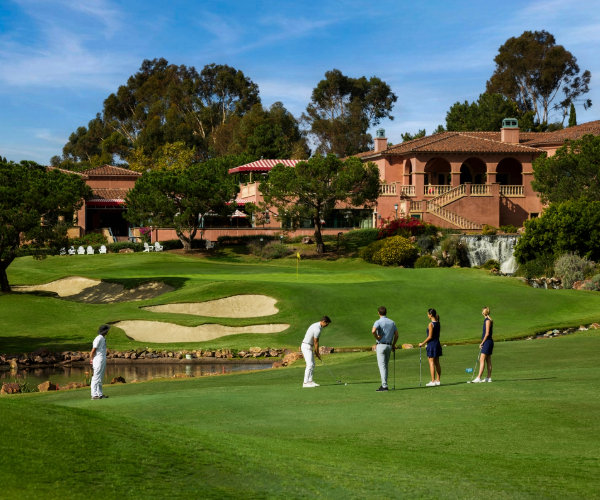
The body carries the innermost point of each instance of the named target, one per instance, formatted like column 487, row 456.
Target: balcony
column 435, row 190
column 387, row 190
column 511, row 190
column 248, row 190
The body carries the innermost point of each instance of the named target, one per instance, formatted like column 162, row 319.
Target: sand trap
column 63, row 288
column 98, row 292
column 238, row 306
column 158, row 333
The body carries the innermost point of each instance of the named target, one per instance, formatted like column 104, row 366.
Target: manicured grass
column 347, row 290
column 532, row 433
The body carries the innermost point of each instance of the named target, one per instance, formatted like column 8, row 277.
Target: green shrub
column 452, row 251
column 425, row 261
column 271, row 250
column 396, row 251
column 427, row 242
column 509, row 228
column 491, row 264
column 536, row 268
column 596, row 279
column 361, row 235
column 370, row 250
column 489, row 230
column 89, row 239
column 571, row 268
column 590, row 286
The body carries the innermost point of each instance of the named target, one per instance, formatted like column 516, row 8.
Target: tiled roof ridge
column 446, row 135
column 125, row 171
column 65, row 171
column 501, row 142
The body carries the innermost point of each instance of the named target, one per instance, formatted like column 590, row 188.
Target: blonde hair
column 486, row 313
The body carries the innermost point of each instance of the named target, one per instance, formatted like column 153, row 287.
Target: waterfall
column 483, row 248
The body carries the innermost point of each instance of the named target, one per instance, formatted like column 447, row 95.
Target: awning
column 103, row 203
column 237, row 213
column 262, row 166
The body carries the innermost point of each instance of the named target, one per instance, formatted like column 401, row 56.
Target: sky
column 59, row 59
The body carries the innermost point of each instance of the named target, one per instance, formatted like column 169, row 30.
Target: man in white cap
column 310, row 347
column 98, row 361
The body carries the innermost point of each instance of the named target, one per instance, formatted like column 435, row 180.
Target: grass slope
column 532, row 433
column 348, row 290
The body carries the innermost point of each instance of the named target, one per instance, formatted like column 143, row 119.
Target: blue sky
column 59, row 59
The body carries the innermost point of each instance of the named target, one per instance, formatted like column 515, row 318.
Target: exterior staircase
column 436, row 205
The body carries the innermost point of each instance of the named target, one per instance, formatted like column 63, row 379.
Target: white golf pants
column 383, row 358
column 99, row 366
column 309, row 357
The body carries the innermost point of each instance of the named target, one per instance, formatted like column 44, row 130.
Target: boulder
column 307, row 240
column 118, row 380
column 46, row 386
column 126, row 250
column 273, row 353
column 291, row 358
column 42, row 351
column 38, row 359
column 242, row 354
column 77, row 357
column 277, row 364
column 208, row 354
column 133, row 356
column 218, row 353
column 325, row 350
column 10, row 388
column 134, row 381
column 595, row 326
column 582, row 328
column 13, row 364
column 407, row 346
column 73, row 385
column 255, row 349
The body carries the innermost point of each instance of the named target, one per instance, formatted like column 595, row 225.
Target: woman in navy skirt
column 434, row 348
column 486, row 346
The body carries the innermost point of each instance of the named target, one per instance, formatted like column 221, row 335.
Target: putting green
column 532, row 433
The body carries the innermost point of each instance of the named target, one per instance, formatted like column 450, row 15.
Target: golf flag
column 297, row 263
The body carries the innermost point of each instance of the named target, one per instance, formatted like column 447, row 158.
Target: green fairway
column 348, row 290
column 532, row 433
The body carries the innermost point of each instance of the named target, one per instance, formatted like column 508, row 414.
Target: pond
column 140, row 371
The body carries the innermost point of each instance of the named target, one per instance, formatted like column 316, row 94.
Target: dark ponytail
column 432, row 312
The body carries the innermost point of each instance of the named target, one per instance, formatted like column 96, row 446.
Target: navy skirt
column 488, row 347
column 434, row 349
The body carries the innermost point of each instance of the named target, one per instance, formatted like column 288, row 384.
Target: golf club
column 420, row 366
column 337, row 381
column 472, row 370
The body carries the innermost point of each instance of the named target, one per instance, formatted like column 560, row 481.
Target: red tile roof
column 113, row 195
column 111, row 170
column 68, row 172
column 262, row 166
column 575, row 132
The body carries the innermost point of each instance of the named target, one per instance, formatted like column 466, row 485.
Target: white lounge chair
column 209, row 245
column 63, row 251
column 158, row 247
column 90, row 250
column 148, row 248
column 102, row 249
column 81, row 251
column 72, row 251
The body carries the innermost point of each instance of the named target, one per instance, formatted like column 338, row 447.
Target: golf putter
column 420, row 366
column 336, row 380
column 472, row 370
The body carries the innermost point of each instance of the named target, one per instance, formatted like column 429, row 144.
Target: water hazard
column 140, row 371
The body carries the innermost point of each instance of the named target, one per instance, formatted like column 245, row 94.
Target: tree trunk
column 4, row 285
column 318, row 236
column 186, row 242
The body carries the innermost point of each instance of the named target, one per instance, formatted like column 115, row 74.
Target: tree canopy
column 313, row 188
column 36, row 209
column 180, row 197
column 532, row 70
column 342, row 109
column 572, row 116
column 162, row 103
column 486, row 114
column 409, row 137
column 572, row 173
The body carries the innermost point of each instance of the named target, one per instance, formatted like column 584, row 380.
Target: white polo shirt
column 100, row 346
column 313, row 332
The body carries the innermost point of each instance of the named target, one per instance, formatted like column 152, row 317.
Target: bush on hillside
column 270, row 250
column 571, row 268
column 536, row 268
column 361, row 236
column 89, row 239
column 370, row 250
column 452, row 252
column 403, row 227
column 509, row 228
column 425, row 261
column 573, row 226
column 396, row 251
column 489, row 230
column 427, row 242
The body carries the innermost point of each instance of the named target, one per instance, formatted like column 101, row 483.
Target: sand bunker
column 238, row 306
column 98, row 292
column 157, row 332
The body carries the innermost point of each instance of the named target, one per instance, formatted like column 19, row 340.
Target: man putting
column 98, row 362
column 310, row 347
column 386, row 333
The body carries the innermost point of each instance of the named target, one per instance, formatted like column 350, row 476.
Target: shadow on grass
column 129, row 283
column 18, row 344
column 496, row 381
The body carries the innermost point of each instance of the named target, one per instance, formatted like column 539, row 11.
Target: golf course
column 532, row 433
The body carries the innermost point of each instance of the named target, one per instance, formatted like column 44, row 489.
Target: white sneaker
column 314, row 384
column 477, row 381
column 430, row 384
column 307, row 384
column 489, row 379
column 437, row 382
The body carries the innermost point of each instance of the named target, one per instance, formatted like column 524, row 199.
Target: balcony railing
column 511, row 190
column 247, row 191
column 407, row 190
column 481, row 190
column 416, row 206
column 387, row 189
column 435, row 190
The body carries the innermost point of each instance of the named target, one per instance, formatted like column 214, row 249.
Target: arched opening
column 408, row 170
column 474, row 171
column 437, row 172
column 509, row 172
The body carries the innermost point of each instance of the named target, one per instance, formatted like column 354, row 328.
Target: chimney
column 510, row 131
column 380, row 140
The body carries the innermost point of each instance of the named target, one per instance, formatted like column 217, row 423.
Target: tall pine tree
column 572, row 116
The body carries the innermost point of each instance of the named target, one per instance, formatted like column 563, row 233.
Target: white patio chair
column 148, row 248
column 209, row 245
column 102, row 249
column 63, row 251
column 158, row 247
column 72, row 251
column 81, row 251
column 90, row 250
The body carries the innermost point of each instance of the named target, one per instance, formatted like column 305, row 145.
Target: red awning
column 262, row 166
column 105, row 203
column 237, row 213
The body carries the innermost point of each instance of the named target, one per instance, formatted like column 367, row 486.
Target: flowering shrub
column 396, row 251
column 145, row 234
column 408, row 226
column 370, row 250
column 425, row 261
